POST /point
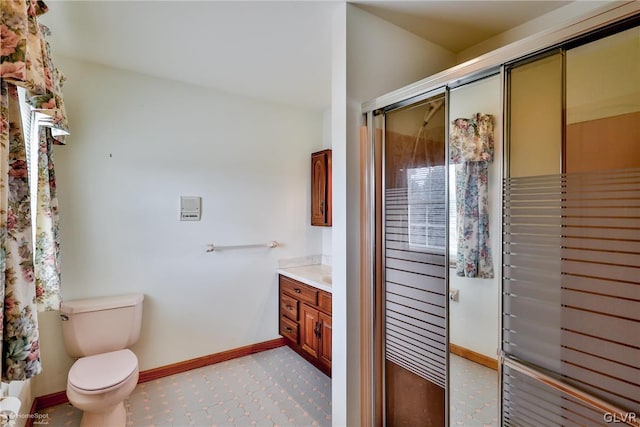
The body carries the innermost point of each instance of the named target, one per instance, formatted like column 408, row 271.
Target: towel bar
column 212, row 248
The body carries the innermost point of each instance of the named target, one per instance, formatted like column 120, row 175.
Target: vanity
column 305, row 312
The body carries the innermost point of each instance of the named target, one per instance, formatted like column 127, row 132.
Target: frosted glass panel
column 603, row 78
column 603, row 104
column 571, row 270
column 571, row 236
column 531, row 403
column 535, row 118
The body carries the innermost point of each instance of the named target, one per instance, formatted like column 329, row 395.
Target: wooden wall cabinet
column 305, row 321
column 321, row 188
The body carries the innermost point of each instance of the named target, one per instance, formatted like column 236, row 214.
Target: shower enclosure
column 567, row 258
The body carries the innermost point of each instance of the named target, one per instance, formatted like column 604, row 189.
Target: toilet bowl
column 98, row 330
column 99, row 384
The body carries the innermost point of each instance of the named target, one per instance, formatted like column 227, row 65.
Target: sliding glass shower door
column 571, row 248
column 413, row 257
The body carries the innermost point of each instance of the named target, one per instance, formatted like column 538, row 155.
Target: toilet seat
column 102, row 372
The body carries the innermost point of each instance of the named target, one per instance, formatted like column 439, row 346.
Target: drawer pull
column 290, row 307
column 297, row 290
column 288, row 329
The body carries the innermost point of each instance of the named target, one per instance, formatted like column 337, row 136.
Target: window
column 31, row 120
column 427, row 208
column 453, row 224
column 427, row 218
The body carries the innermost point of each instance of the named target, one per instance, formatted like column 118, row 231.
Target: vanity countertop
column 316, row 275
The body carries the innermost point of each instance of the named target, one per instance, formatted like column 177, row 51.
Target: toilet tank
column 100, row 325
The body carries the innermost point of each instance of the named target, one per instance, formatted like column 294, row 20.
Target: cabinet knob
column 297, row 290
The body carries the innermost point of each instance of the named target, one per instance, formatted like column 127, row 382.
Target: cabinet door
column 310, row 330
column 321, row 188
column 324, row 350
column 318, row 188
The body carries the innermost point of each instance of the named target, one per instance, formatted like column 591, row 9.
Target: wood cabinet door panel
column 325, row 349
column 321, row 192
column 309, row 324
column 318, row 188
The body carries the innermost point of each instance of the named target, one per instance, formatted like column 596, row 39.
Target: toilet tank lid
column 102, row 303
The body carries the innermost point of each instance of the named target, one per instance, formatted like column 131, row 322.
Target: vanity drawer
column 289, row 329
column 324, row 302
column 299, row 290
column 289, row 306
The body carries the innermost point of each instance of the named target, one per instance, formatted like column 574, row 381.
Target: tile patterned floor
column 473, row 394
column 273, row 388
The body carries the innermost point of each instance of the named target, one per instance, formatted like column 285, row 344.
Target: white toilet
column 98, row 331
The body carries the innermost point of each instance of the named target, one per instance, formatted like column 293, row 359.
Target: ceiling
column 458, row 25
column 279, row 52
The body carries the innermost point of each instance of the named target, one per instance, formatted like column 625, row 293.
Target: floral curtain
column 22, row 63
column 471, row 149
column 51, row 103
column 20, row 344
column 47, row 245
column 25, row 61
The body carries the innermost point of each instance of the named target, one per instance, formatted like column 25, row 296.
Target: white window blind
column 31, row 121
column 426, row 202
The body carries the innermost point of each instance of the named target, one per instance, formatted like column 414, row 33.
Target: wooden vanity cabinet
column 321, row 188
column 305, row 321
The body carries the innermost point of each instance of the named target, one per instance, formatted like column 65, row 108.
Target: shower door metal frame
column 593, row 22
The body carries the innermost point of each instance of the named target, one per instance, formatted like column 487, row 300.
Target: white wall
column 474, row 320
column 138, row 143
column 545, row 22
column 341, row 401
column 327, row 232
column 381, row 57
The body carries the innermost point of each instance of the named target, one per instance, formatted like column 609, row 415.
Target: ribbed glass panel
column 529, row 402
column 415, row 295
column 571, row 290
